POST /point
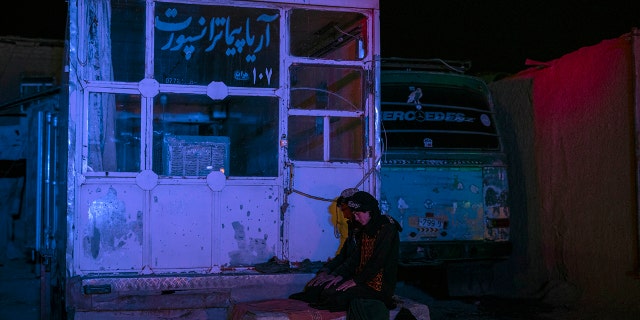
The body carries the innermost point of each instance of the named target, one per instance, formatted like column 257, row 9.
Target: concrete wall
column 569, row 128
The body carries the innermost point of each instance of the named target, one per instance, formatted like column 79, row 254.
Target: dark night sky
column 45, row 19
column 498, row 36
column 495, row 35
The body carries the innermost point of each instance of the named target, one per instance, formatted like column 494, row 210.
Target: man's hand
column 346, row 285
column 335, row 280
column 320, row 279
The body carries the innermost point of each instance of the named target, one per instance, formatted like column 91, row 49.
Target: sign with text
column 198, row 44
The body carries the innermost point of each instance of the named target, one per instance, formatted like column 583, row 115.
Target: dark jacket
column 348, row 247
column 383, row 258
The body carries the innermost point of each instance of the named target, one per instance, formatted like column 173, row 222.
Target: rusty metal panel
column 110, row 228
column 249, row 225
column 180, row 226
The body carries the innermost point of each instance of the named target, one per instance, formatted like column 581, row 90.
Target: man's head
column 364, row 206
column 342, row 202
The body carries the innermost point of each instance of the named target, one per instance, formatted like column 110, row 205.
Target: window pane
column 305, row 138
column 328, row 34
column 347, row 140
column 113, row 133
column 447, row 117
column 326, row 87
column 128, row 39
column 198, row 44
column 241, row 132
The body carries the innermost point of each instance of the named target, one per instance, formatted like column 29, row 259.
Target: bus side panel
column 448, row 213
column 435, row 204
column 496, row 201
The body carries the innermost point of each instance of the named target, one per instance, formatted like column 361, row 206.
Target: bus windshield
column 420, row 113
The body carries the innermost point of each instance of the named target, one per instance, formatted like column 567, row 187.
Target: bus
column 443, row 172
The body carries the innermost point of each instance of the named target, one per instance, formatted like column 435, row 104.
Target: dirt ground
column 442, row 307
column 20, row 290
